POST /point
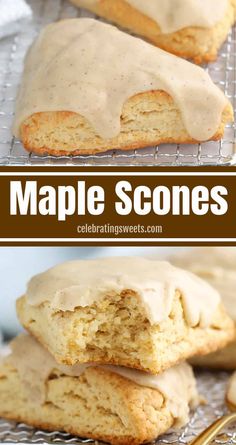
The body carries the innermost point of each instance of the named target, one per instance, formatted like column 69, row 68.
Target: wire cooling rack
column 12, row 51
column 211, row 385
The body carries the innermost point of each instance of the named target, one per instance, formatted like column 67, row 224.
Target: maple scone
column 231, row 393
column 188, row 28
column 126, row 311
column 218, row 267
column 88, row 87
column 111, row 404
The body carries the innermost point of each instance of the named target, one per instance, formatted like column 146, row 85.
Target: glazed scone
column 217, row 265
column 231, row 393
column 111, row 404
column 95, row 88
column 126, row 311
column 192, row 29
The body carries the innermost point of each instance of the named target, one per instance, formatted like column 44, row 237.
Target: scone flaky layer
column 117, row 332
column 92, row 402
column 148, row 119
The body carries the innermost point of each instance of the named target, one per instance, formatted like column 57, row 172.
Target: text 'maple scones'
column 126, row 311
column 108, row 403
column 218, row 267
column 88, row 87
column 194, row 29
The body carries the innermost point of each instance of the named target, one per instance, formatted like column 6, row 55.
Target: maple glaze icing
column 91, row 68
column 81, row 283
column 174, row 15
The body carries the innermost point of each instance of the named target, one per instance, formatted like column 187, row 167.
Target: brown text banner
column 118, row 206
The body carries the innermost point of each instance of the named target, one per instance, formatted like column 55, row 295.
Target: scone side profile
column 98, row 404
column 112, row 110
column 148, row 119
column 101, row 400
column 112, row 336
column 199, row 44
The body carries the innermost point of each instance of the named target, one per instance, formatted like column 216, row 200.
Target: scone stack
column 104, row 356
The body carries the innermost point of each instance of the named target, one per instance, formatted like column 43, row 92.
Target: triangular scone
column 191, row 29
column 126, row 311
column 88, row 87
column 218, row 267
column 111, row 404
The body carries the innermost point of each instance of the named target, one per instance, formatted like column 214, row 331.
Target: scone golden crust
column 148, row 119
column 199, row 44
column 94, row 402
column 125, row 311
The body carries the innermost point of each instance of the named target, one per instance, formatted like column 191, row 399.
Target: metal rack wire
column 12, row 51
column 211, row 385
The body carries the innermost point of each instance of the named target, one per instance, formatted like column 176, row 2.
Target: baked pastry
column 95, row 88
column 111, row 404
column 231, row 393
column 190, row 29
column 217, row 265
column 130, row 312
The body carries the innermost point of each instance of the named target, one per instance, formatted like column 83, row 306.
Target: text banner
column 119, row 206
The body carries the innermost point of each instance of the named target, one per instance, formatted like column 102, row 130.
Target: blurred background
column 19, row 264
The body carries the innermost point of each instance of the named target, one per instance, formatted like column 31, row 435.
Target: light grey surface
column 12, row 51
column 13, row 17
column 17, row 265
column 211, row 386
